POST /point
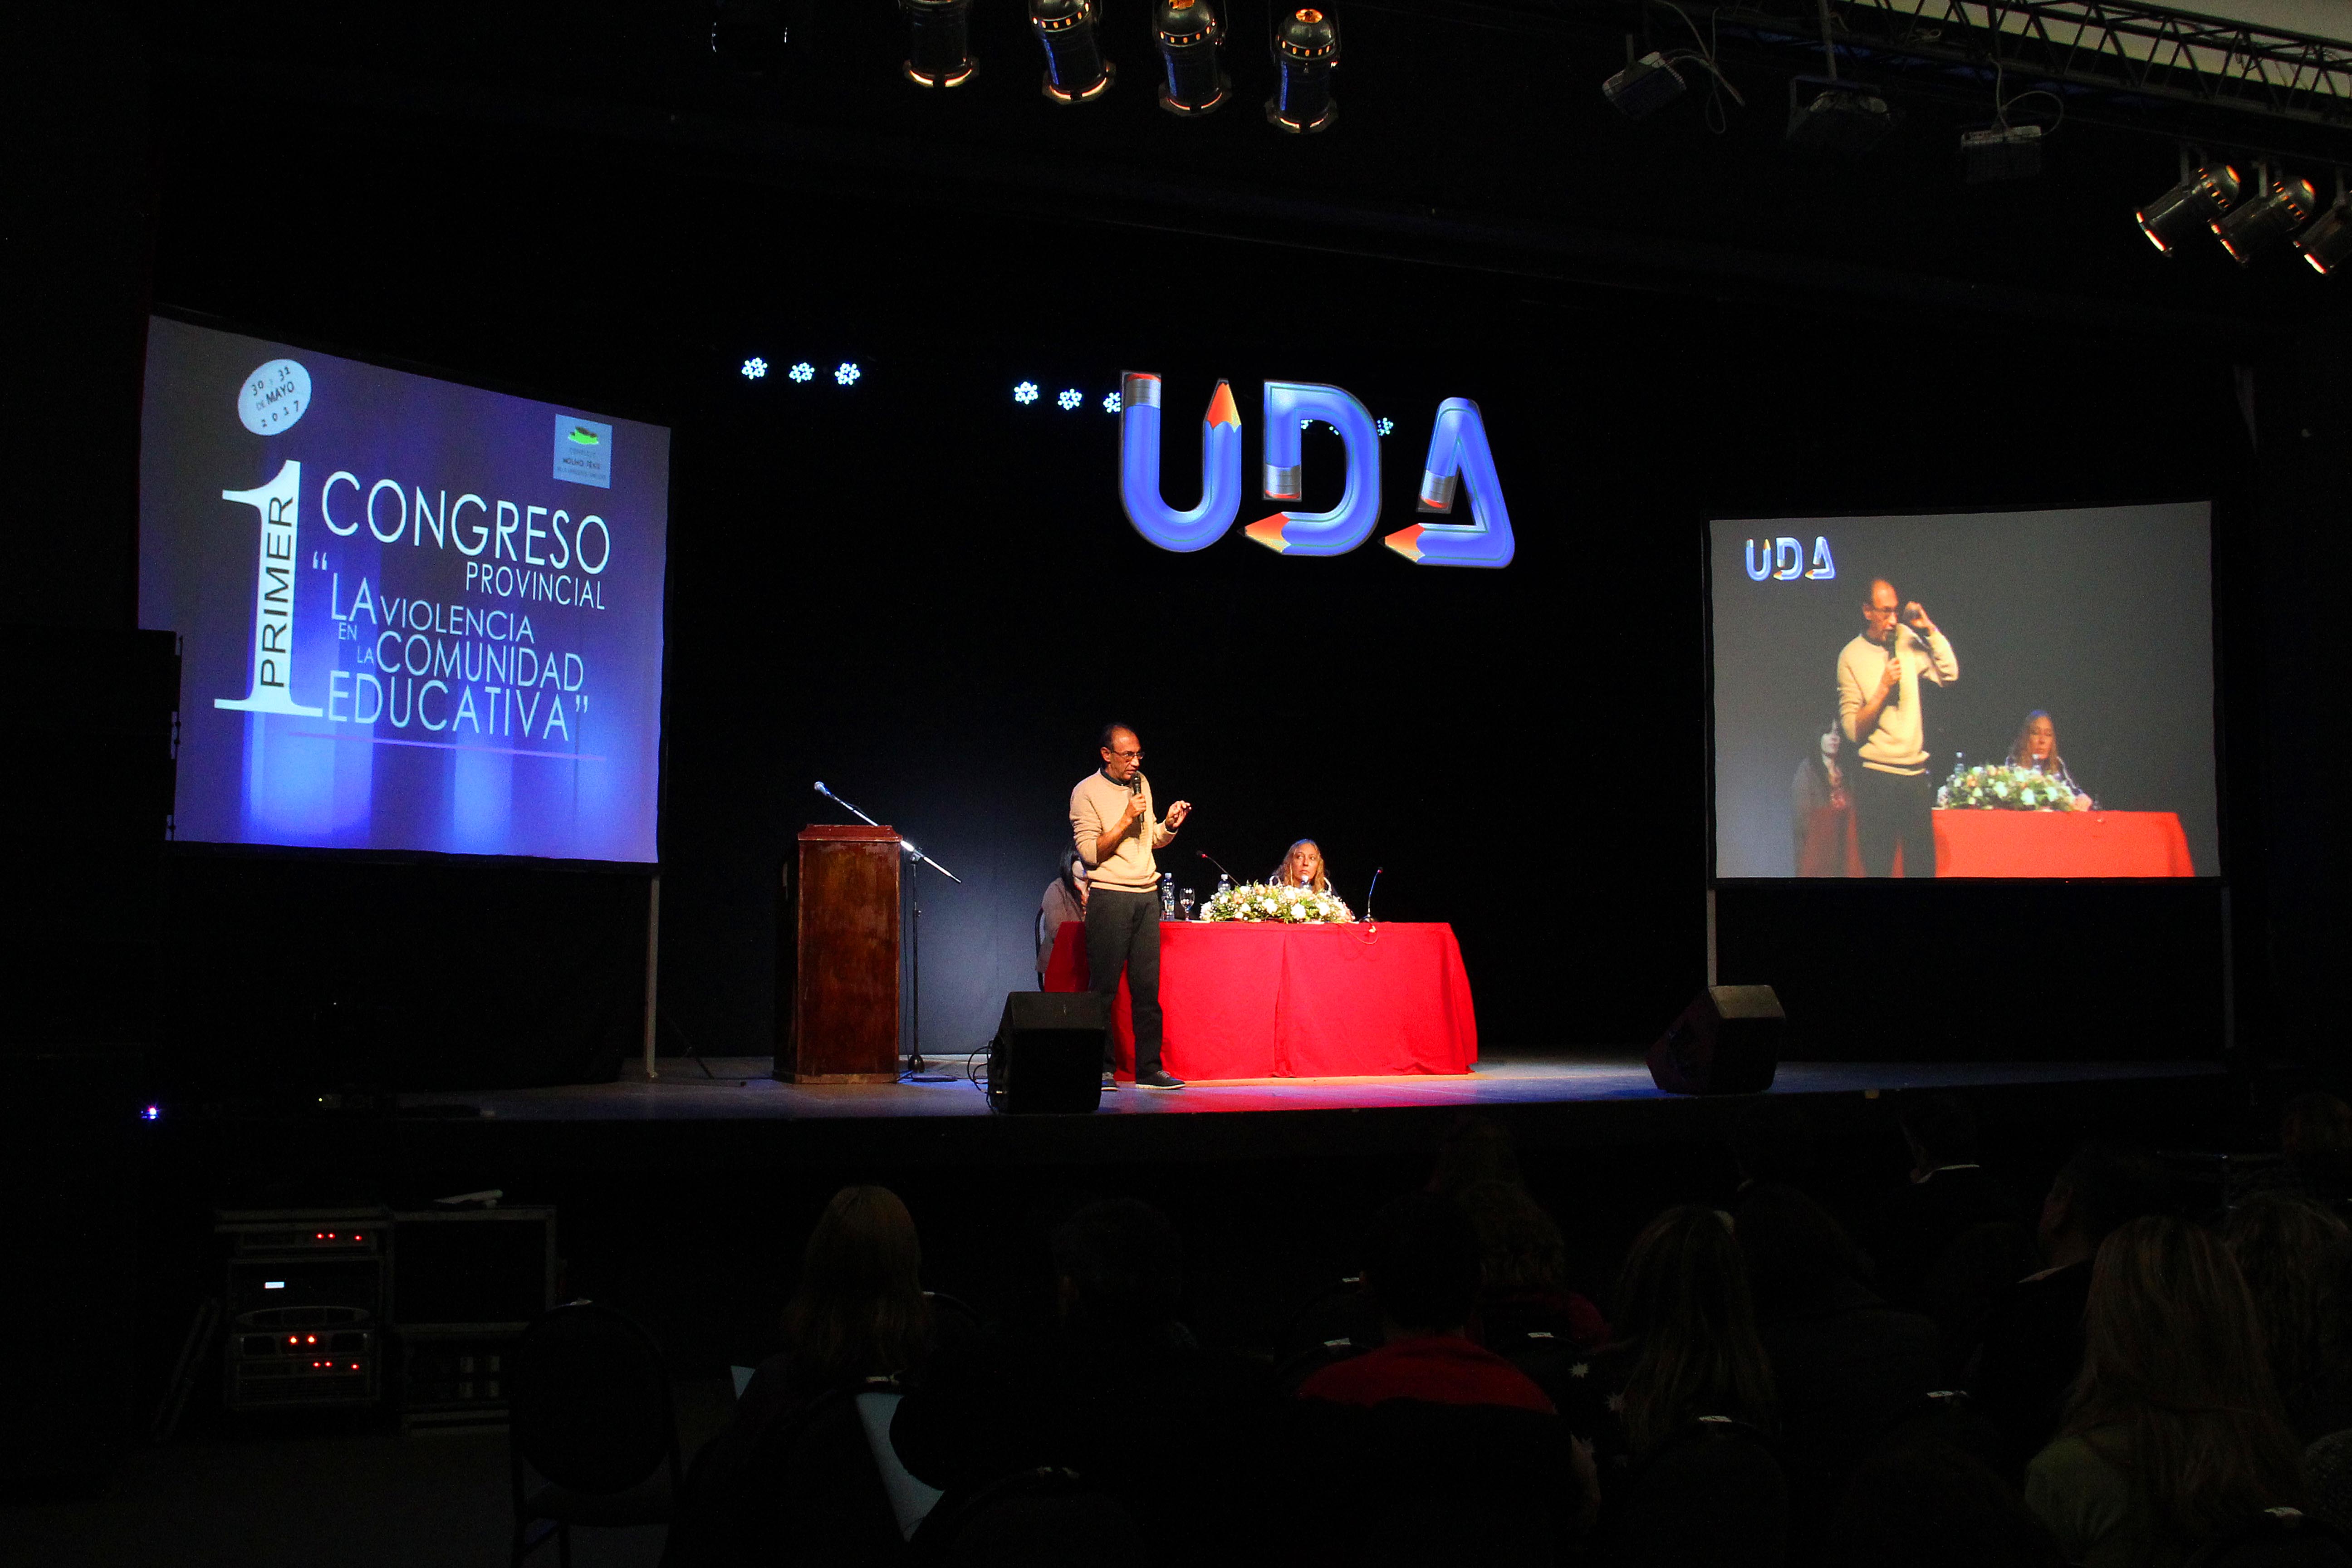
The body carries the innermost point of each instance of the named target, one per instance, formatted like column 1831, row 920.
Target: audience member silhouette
column 2327, row 1472
column 2293, row 1254
column 1523, row 1274
column 2173, row 1433
column 1683, row 1343
column 1933, row 1505
column 1845, row 1367
column 1113, row 1387
column 2033, row 1344
column 1430, row 1448
column 1475, row 1149
column 760, row 1487
column 1949, row 1193
column 1422, row 1269
column 2316, row 1136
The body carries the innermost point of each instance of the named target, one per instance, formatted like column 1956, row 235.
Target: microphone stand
column 918, row 1070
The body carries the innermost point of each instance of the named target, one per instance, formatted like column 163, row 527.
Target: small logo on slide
column 584, row 451
column 274, row 397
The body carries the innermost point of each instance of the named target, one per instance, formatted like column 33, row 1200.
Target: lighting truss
column 2105, row 48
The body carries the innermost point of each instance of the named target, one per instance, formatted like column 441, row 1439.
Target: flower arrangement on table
column 1264, row 901
column 2002, row 787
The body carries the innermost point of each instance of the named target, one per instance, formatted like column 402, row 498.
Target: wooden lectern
column 841, row 1018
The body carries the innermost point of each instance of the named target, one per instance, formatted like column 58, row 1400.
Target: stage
column 1563, row 1098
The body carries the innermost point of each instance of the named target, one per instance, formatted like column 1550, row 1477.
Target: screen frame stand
column 1711, row 979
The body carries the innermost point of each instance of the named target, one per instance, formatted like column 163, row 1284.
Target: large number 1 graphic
column 1459, row 452
column 1139, row 468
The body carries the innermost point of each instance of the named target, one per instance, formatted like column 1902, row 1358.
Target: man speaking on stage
column 1111, row 823
column 1879, row 678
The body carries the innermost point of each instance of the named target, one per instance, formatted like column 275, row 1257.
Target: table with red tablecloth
column 2060, row 844
column 1244, row 999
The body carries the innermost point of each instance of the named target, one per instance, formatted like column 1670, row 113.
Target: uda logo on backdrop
column 1458, row 456
column 1783, row 558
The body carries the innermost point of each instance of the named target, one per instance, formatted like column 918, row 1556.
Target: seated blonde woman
column 1303, row 867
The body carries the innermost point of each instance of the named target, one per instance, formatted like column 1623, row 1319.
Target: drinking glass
column 1184, row 901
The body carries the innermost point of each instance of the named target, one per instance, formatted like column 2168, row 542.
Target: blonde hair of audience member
column 859, row 1310
column 2175, row 1390
column 2290, row 1252
column 1684, row 1310
column 1303, row 867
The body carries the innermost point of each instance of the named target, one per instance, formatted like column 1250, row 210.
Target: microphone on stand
column 1370, row 890
column 1220, row 865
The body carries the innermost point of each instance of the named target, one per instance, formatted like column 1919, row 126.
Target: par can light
column 1191, row 39
column 2327, row 244
column 938, row 47
column 1075, row 71
column 2266, row 224
column 1306, row 53
column 2189, row 206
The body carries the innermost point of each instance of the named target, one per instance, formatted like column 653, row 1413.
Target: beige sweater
column 1898, row 742
column 1095, row 806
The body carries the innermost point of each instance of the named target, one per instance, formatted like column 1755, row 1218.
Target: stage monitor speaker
column 1728, row 1041
column 1049, row 1052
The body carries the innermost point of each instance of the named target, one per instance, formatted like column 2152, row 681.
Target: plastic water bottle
column 1224, row 884
column 1167, row 895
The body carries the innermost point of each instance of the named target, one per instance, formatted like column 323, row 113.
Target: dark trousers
column 1123, row 932
column 1891, row 809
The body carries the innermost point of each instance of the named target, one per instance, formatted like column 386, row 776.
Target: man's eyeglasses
column 1136, row 756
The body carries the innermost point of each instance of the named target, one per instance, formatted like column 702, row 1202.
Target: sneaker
column 1110, row 1084
column 1159, row 1077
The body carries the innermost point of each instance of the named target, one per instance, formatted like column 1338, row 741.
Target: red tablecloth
column 2060, row 844
column 1243, row 1000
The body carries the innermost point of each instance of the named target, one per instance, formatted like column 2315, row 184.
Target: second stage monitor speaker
column 1728, row 1041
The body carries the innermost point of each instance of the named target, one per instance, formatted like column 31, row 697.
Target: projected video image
column 417, row 616
column 2007, row 694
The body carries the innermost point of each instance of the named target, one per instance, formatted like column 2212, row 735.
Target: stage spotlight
column 2327, row 244
column 2201, row 198
column 1075, row 71
column 2266, row 224
column 1190, row 39
column 1647, row 85
column 2000, row 152
column 938, row 49
column 1306, row 53
column 1835, row 115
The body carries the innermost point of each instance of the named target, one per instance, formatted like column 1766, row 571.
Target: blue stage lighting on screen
column 754, row 368
column 1071, row 397
column 802, row 372
column 1384, row 426
column 1110, row 403
column 1026, row 393
column 847, row 372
